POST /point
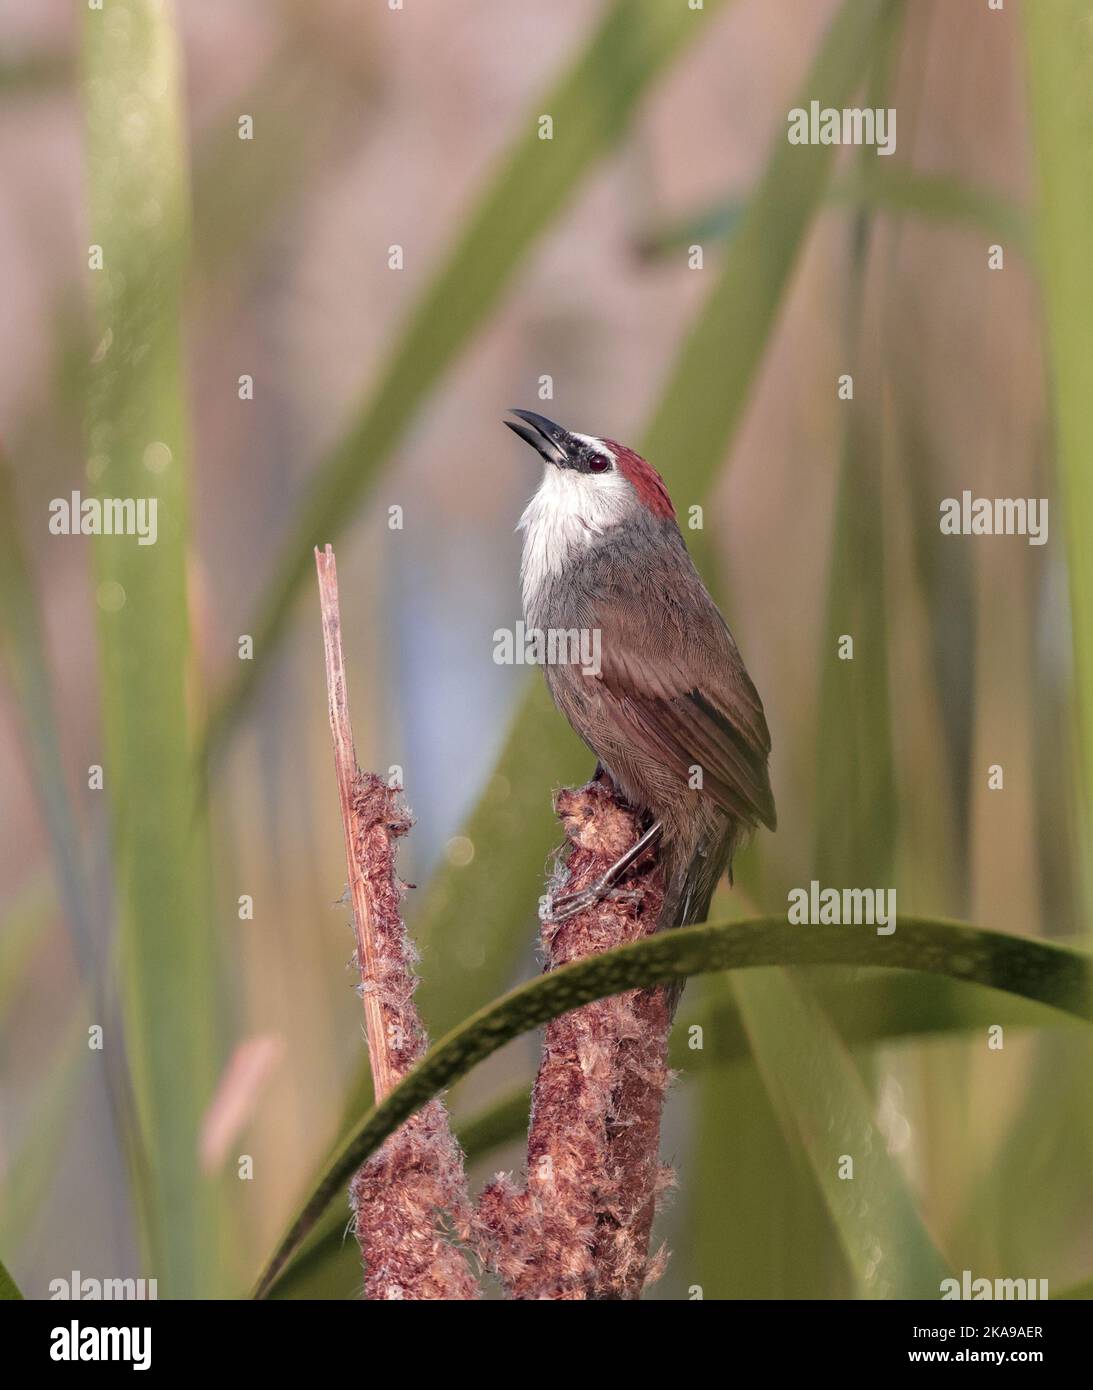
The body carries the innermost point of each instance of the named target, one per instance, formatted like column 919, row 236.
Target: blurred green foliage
column 139, row 214
column 1060, row 42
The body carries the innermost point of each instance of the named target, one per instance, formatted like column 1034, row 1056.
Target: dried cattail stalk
column 400, row 1199
column 580, row 1227
column 409, row 1196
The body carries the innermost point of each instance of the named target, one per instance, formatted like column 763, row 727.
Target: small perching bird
column 667, row 705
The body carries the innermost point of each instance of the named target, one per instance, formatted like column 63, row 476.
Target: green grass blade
column 856, row 804
column 893, row 188
column 856, row 792
column 139, row 215
column 708, row 386
column 22, row 644
column 23, row 648
column 591, row 107
column 756, row 1226
column 824, row 1106
column 30, row 1169
column 943, row 198
column 717, row 221
column 1031, row 969
column 9, row 1289
column 1060, row 62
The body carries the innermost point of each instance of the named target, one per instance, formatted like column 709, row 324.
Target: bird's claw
column 558, row 910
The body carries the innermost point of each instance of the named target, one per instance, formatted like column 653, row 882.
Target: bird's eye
column 598, row 464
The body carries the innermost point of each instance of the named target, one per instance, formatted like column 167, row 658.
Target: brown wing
column 678, row 683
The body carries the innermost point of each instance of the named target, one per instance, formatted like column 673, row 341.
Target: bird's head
column 596, row 482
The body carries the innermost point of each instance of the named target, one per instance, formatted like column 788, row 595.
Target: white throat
column 570, row 512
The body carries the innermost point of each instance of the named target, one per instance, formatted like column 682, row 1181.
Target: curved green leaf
column 873, row 1006
column 1034, row 970
column 870, row 1007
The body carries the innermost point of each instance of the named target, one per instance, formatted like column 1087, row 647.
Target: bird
column 664, row 701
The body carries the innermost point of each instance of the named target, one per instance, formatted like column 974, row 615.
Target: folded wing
column 678, row 685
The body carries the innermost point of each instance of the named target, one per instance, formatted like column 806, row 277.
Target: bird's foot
column 558, row 910
column 555, row 910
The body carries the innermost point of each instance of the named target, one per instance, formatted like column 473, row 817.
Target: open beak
column 554, row 443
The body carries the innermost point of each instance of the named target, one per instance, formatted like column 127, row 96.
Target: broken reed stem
column 580, row 1227
column 348, row 774
column 405, row 1194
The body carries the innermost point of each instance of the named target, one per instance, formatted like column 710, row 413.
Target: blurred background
column 248, row 354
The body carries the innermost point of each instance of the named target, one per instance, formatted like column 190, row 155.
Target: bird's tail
column 692, row 882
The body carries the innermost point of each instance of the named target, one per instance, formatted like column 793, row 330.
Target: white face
column 570, row 511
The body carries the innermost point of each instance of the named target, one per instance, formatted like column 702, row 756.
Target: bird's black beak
column 555, row 444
